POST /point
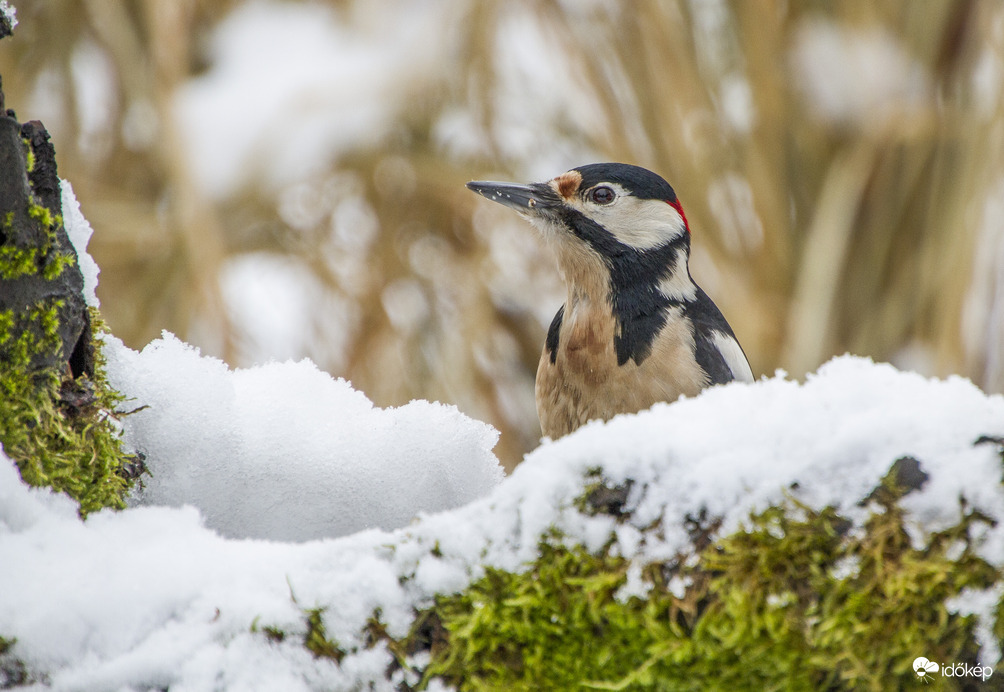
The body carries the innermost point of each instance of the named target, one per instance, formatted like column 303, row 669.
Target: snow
column 80, row 231
column 157, row 598
column 737, row 104
column 9, row 12
column 96, row 95
column 531, row 106
column 283, row 451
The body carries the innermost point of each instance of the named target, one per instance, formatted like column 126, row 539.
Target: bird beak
column 526, row 199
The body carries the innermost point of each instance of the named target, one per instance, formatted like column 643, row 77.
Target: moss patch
column 13, row 672
column 316, row 639
column 60, row 431
column 799, row 600
column 29, row 155
column 44, row 259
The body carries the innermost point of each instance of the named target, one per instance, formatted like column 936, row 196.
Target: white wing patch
column 733, row 355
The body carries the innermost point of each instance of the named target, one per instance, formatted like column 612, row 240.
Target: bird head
column 611, row 218
column 622, row 244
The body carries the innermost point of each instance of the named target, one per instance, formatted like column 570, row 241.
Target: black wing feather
column 553, row 332
column 708, row 319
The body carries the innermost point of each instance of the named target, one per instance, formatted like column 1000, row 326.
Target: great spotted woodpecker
column 635, row 328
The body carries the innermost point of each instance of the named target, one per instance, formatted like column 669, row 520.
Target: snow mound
column 149, row 597
column 79, row 231
column 285, row 452
column 9, row 13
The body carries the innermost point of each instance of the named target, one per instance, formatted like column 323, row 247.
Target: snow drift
column 284, row 451
column 152, row 597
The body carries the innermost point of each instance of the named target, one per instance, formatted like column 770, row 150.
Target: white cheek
column 641, row 223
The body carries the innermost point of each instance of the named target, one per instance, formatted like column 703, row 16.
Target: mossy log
column 56, row 410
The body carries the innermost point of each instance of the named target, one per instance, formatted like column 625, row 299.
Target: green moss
column 316, row 639
column 59, row 431
column 17, row 262
column 271, row 632
column 56, row 263
column 798, row 601
column 13, row 672
column 39, row 334
column 42, row 215
column 274, row 634
column 29, row 155
column 557, row 626
column 70, row 446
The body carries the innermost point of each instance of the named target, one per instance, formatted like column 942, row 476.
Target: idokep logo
column 926, row 669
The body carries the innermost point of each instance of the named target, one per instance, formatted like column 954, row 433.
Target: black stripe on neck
column 638, row 305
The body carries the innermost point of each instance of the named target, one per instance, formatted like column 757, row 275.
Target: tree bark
column 39, row 272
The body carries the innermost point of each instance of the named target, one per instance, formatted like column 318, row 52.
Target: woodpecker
column 635, row 329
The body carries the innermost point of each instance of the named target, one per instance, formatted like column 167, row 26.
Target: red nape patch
column 679, row 209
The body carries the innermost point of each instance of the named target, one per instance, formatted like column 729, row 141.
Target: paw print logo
column 924, row 668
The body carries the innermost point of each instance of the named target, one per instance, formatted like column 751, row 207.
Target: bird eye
column 602, row 195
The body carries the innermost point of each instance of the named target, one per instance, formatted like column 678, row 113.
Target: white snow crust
column 284, row 451
column 151, row 596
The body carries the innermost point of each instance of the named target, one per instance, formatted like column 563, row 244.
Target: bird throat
column 619, row 299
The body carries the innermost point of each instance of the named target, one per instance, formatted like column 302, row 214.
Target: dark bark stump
column 40, row 276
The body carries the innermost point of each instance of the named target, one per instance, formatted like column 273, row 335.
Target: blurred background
column 273, row 180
